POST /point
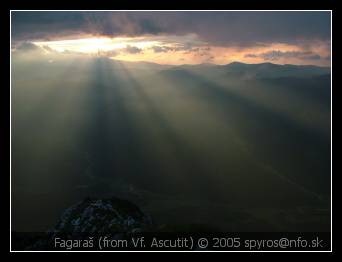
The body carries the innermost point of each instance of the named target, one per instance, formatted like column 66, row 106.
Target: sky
column 301, row 37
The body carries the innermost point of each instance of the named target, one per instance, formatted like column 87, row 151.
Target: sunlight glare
column 96, row 44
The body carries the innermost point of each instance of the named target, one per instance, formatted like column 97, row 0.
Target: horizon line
column 213, row 64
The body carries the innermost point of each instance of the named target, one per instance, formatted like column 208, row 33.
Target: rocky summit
column 102, row 215
column 115, row 217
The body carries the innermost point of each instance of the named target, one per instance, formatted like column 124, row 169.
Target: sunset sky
column 178, row 37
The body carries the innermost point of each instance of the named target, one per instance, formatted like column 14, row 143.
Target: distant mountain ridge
column 276, row 70
column 262, row 70
column 233, row 66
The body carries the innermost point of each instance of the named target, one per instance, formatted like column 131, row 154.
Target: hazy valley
column 239, row 147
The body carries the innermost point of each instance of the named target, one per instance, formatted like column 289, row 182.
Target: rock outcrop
column 115, row 217
column 102, row 216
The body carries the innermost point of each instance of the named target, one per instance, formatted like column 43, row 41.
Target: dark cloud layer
column 217, row 28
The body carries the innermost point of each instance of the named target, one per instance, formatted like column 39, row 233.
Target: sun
column 94, row 45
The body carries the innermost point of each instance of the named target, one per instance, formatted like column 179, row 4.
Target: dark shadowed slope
column 191, row 144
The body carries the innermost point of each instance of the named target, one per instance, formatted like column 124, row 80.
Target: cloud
column 32, row 49
column 109, row 53
column 28, row 46
column 161, row 49
column 251, row 56
column 132, row 49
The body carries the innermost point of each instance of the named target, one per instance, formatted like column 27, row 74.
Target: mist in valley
column 238, row 147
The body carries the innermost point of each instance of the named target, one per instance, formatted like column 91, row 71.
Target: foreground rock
column 102, row 216
column 115, row 217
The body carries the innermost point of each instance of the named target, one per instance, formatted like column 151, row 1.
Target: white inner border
column 331, row 231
